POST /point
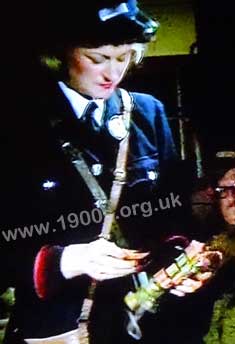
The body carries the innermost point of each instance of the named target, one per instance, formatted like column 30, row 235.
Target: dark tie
column 88, row 116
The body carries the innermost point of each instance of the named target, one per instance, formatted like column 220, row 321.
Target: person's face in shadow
column 226, row 187
column 96, row 72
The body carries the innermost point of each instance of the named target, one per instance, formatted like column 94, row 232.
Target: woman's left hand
column 207, row 262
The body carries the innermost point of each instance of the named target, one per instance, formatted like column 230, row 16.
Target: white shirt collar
column 79, row 103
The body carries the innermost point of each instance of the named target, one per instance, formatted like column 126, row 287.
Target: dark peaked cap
column 95, row 23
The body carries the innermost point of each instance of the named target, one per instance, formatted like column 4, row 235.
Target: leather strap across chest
column 108, row 206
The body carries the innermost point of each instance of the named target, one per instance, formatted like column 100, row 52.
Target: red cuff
column 47, row 271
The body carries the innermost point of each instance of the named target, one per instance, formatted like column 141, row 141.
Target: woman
column 92, row 50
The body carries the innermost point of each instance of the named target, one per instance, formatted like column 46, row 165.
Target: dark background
column 205, row 79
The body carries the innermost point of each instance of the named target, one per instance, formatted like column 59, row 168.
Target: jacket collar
column 112, row 106
column 64, row 120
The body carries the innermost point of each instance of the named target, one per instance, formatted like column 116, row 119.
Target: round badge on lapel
column 116, row 127
column 152, row 175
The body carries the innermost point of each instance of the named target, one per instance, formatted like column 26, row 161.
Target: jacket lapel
column 113, row 106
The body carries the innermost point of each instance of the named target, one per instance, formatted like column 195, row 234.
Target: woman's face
column 97, row 72
column 227, row 202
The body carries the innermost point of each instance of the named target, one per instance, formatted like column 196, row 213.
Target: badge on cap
column 116, row 127
column 108, row 13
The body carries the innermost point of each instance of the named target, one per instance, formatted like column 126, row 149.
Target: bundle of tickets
column 196, row 264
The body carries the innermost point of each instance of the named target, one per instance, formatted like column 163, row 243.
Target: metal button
column 152, row 175
column 97, row 169
column 49, row 185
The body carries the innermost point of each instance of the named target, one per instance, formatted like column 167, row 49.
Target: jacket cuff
column 47, row 275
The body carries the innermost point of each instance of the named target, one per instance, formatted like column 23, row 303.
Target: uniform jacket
column 46, row 303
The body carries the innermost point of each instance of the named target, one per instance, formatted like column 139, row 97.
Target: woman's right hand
column 100, row 260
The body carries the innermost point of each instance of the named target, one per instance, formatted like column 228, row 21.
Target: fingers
column 116, row 263
column 187, row 286
column 105, row 260
column 108, row 267
column 109, row 248
column 190, row 285
column 104, row 247
column 177, row 292
column 203, row 276
column 100, row 275
column 197, row 280
column 131, row 254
